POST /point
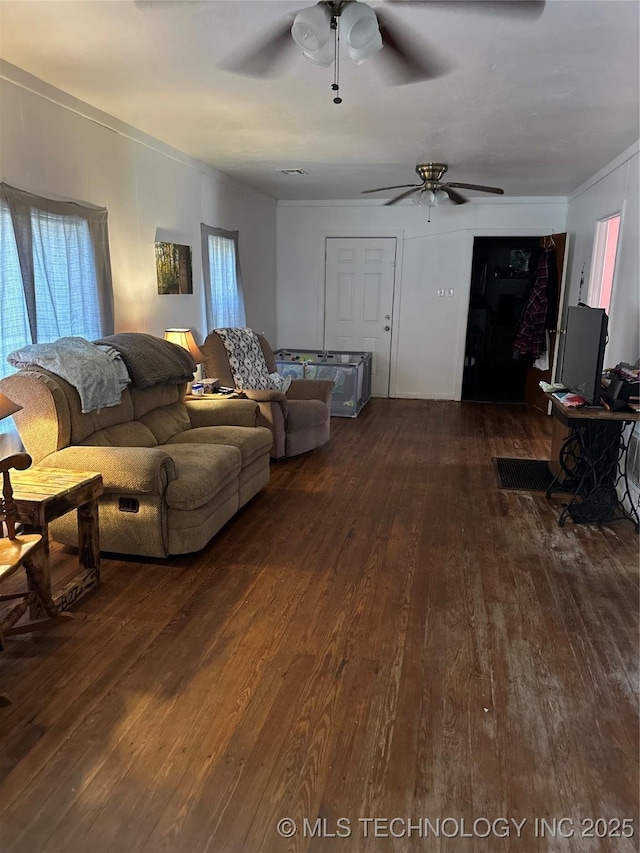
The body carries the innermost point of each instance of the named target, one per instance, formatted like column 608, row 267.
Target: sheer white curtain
column 14, row 322
column 224, row 299
column 55, row 272
column 66, row 284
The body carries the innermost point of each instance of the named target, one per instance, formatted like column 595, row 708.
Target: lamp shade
column 360, row 54
column 422, row 198
column 429, row 198
column 359, row 26
column 323, row 56
column 312, row 28
column 184, row 338
column 7, row 407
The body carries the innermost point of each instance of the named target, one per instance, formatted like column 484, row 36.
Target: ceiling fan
column 317, row 30
column 430, row 192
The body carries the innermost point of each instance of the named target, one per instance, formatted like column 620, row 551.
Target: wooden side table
column 44, row 494
column 232, row 395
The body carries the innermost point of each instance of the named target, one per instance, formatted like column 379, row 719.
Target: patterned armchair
column 299, row 418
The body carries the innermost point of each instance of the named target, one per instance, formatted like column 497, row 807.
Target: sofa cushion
column 85, row 423
column 303, row 414
column 131, row 434
column 146, row 399
column 203, row 470
column 252, row 442
column 165, row 421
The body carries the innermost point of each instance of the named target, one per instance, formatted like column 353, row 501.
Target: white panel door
column 359, row 281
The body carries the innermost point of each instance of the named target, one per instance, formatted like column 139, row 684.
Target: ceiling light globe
column 323, row 56
column 361, row 54
column 359, row 25
column 312, row 28
column 425, row 198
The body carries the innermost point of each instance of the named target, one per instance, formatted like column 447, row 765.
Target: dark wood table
column 44, row 494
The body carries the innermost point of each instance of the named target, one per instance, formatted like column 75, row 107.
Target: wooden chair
column 17, row 551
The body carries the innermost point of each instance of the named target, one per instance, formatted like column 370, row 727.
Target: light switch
column 441, row 291
column 450, row 292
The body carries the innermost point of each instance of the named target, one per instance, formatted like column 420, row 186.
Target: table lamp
column 7, row 407
column 184, row 338
column 8, row 443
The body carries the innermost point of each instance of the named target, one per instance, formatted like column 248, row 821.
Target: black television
column 583, row 358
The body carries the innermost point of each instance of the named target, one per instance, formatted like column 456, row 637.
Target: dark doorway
column 499, row 286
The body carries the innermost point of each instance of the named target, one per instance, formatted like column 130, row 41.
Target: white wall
column 613, row 190
column 428, row 331
column 54, row 145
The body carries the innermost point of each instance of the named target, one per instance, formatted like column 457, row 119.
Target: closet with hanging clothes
column 513, row 310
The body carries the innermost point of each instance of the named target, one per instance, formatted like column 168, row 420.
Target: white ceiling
column 535, row 107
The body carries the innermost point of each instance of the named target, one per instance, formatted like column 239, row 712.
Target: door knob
column 387, row 328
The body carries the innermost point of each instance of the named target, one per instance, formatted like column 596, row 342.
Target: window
column 55, row 273
column 605, row 246
column 223, row 285
column 14, row 323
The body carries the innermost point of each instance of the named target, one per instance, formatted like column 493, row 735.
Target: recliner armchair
column 299, row 420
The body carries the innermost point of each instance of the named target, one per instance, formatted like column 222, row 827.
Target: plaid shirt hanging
column 531, row 338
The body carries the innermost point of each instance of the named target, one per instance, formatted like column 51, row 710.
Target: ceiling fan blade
column 408, row 60
column 455, row 197
column 523, row 9
column 399, row 187
column 495, row 190
column 403, row 195
column 264, row 58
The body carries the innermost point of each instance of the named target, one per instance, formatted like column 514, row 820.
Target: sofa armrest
column 222, row 412
column 125, row 470
column 265, row 395
column 311, row 389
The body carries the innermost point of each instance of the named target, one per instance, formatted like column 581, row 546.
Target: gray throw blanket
column 96, row 372
column 150, row 360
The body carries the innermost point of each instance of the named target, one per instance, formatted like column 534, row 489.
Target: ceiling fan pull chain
column 335, row 26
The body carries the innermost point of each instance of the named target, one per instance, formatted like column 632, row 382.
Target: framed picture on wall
column 519, row 261
column 173, row 268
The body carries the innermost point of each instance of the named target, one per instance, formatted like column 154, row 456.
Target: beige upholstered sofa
column 174, row 471
column 299, row 420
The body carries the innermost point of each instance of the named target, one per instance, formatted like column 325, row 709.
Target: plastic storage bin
column 350, row 371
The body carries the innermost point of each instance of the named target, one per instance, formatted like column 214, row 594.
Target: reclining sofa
column 174, row 470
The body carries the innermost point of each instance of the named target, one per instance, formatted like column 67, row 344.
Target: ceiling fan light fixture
column 359, row 27
column 323, row 56
column 430, row 198
column 311, row 28
column 359, row 55
column 426, row 198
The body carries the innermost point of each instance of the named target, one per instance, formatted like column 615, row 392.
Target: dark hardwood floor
column 381, row 633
